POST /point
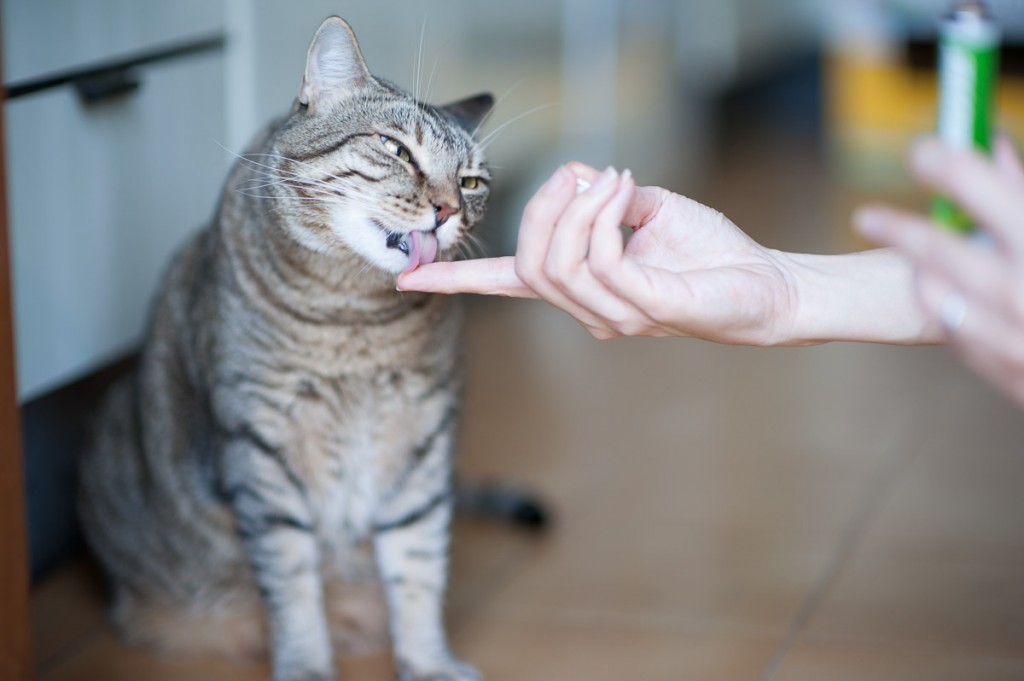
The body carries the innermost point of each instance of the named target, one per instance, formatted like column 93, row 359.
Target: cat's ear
column 334, row 65
column 469, row 113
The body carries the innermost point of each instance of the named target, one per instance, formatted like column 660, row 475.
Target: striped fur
column 278, row 471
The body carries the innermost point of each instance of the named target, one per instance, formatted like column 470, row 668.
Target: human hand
column 970, row 288
column 685, row 270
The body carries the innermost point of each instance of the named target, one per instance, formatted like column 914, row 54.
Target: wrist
column 865, row 297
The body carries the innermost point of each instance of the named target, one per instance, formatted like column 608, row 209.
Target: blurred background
column 729, row 513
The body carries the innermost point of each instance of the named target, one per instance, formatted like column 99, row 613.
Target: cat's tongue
column 422, row 249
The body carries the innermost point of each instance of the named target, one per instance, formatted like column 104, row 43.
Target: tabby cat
column 277, row 473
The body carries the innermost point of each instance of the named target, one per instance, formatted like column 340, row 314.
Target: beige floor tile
column 960, row 606
column 968, row 511
column 687, row 576
column 579, row 410
column 546, row 391
column 816, row 663
column 542, row 650
column 484, row 556
column 960, row 499
column 107, row 659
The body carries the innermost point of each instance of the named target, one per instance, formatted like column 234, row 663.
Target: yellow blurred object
column 877, row 104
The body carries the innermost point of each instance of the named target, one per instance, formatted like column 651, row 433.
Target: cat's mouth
column 420, row 246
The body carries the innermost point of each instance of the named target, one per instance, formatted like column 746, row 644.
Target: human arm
column 685, row 270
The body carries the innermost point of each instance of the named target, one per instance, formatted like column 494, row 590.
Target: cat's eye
column 470, row 182
column 395, row 148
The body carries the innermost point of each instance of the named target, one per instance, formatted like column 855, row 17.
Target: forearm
column 868, row 297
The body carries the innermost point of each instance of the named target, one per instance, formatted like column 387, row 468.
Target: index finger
column 485, row 276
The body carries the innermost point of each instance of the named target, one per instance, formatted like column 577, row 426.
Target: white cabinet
column 101, row 195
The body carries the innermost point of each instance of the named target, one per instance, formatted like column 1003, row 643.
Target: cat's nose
column 443, row 211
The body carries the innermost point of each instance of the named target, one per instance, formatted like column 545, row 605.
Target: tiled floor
column 839, row 512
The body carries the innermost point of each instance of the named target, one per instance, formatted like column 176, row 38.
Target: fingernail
column 399, row 282
column 626, row 174
column 557, row 181
column 606, row 178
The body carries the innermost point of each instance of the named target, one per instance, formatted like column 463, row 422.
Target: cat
column 277, row 471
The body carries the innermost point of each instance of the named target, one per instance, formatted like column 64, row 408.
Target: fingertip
column 407, row 282
column 875, row 223
column 435, row 277
column 604, row 181
column 625, row 191
column 627, row 182
column 582, row 170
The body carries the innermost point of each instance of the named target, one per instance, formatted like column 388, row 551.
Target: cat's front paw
column 451, row 670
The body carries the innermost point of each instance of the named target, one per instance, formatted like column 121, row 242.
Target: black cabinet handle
column 107, row 85
column 113, row 78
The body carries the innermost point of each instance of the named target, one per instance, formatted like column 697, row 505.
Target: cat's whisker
column 491, row 136
column 303, row 179
column 287, row 176
column 497, row 102
column 289, row 179
column 367, row 266
column 471, row 246
column 504, row 95
column 269, row 170
column 311, row 182
column 430, row 81
column 263, row 182
column 292, row 183
column 284, row 178
column 419, row 58
column 248, row 159
column 274, row 197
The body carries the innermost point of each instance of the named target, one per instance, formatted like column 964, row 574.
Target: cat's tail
column 502, row 502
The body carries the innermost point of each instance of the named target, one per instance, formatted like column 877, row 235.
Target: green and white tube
column 968, row 73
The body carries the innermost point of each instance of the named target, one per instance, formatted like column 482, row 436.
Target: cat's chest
column 357, row 438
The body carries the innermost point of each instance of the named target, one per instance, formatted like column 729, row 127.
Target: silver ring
column 953, row 312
